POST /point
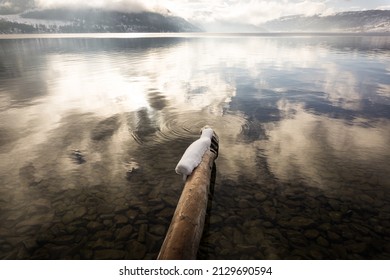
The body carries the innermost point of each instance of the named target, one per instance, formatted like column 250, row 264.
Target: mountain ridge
column 95, row 20
column 350, row 21
column 91, row 20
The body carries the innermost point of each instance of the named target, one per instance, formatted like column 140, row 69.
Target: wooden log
column 186, row 228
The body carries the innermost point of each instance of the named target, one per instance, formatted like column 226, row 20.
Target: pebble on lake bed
column 78, row 156
column 131, row 168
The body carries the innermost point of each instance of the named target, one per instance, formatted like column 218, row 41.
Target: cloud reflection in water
column 323, row 151
column 289, row 88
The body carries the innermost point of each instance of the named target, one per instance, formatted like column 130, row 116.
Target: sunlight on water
column 92, row 128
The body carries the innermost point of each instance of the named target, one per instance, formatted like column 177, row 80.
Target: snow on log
column 194, row 153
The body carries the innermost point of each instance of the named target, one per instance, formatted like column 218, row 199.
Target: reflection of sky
column 313, row 148
column 307, row 105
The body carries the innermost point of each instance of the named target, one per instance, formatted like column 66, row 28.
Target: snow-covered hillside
column 359, row 21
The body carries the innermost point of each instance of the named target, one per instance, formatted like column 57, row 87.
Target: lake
column 93, row 125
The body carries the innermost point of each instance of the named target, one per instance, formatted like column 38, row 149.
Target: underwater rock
column 102, row 244
column 124, row 233
column 333, row 236
column 159, row 230
column 136, row 250
column 64, row 240
column 260, row 196
column 316, row 254
column 232, row 220
column 109, row 254
column 103, row 234
column 77, row 156
column 80, row 212
column 335, row 216
column 153, row 242
column 215, row 219
column 30, row 244
column 131, row 168
column 142, row 232
column 27, row 175
column 357, row 248
column 238, row 237
column 121, row 219
column 311, row 233
column 68, row 217
column 300, row 222
column 132, row 214
column 105, row 128
column 322, row 241
column 94, row 226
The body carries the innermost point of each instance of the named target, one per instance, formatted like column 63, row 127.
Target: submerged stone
column 301, row 222
column 77, row 156
column 109, row 254
column 80, row 212
column 121, row 220
column 311, row 233
column 322, row 241
column 124, row 233
column 142, row 232
column 357, row 248
column 159, row 230
column 105, row 128
column 260, row 196
column 136, row 250
column 94, row 226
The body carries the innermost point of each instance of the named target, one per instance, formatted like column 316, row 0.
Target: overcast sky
column 234, row 11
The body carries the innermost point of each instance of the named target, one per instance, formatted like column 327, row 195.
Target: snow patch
column 194, row 153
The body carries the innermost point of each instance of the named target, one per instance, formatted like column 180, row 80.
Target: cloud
column 116, row 5
column 255, row 12
column 224, row 13
column 385, row 7
column 245, row 12
column 357, row 4
column 5, row 5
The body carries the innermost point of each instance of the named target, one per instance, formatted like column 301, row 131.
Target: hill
column 359, row 21
column 66, row 20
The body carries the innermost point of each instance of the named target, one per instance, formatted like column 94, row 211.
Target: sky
column 258, row 11
column 206, row 12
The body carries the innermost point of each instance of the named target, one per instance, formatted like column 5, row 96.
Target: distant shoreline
column 185, row 35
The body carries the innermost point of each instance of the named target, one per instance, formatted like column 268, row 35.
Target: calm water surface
column 91, row 130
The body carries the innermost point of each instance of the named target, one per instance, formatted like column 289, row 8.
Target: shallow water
column 91, row 130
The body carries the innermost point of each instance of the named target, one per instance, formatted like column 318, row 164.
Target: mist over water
column 91, row 130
